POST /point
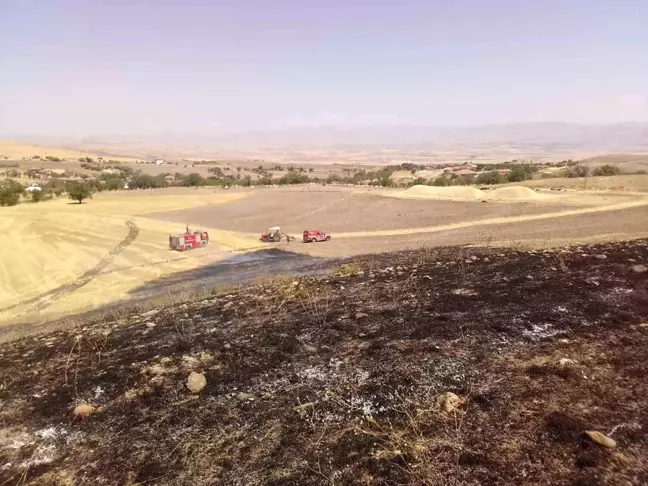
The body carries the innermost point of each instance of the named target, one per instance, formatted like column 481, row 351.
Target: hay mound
column 513, row 193
column 452, row 192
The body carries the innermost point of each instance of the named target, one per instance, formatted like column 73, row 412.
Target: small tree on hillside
column 78, row 191
column 607, row 170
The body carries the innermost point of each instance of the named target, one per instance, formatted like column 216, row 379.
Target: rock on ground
column 196, row 382
column 601, row 439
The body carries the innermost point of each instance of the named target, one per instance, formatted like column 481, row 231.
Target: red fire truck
column 187, row 241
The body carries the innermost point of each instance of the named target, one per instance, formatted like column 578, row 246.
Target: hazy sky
column 83, row 67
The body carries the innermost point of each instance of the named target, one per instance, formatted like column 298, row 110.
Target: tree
column 38, row 196
column 78, row 191
column 8, row 197
column 193, row 180
column 576, row 171
column 441, row 181
column 518, row 174
column 607, row 170
column 492, row 177
column 114, row 184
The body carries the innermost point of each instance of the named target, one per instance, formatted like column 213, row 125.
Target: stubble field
column 61, row 258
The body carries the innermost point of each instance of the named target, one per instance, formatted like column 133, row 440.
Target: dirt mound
column 513, row 193
column 455, row 192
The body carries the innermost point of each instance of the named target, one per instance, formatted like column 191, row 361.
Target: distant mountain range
column 538, row 141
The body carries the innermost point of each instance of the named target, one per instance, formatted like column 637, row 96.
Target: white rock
column 196, row 382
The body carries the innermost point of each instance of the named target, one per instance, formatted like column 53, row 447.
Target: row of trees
column 584, row 171
column 11, row 192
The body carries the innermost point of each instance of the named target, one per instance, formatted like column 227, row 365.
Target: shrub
column 293, row 177
column 78, row 191
column 492, row 177
column 144, row 181
column 349, row 270
column 419, row 181
column 37, row 196
column 519, row 174
column 114, row 184
column 8, row 197
column 576, row 171
column 193, row 180
column 607, row 170
column 441, row 181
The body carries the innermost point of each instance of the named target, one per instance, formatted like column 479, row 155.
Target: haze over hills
column 375, row 144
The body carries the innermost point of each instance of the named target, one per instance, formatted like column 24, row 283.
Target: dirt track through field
column 494, row 221
column 45, row 299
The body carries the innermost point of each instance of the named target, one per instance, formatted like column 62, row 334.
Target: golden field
column 57, row 256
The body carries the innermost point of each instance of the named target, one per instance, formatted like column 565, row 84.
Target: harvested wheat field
column 621, row 183
column 61, row 257
column 435, row 367
column 17, row 151
column 72, row 258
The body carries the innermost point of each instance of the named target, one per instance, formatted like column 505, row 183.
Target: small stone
column 473, row 258
column 601, row 257
column 622, row 458
column 244, row 397
column 448, row 402
column 150, row 313
column 601, row 439
column 84, row 410
column 360, row 315
column 196, row 382
column 566, row 361
column 639, row 268
column 150, row 324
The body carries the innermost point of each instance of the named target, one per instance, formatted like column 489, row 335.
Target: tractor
column 274, row 235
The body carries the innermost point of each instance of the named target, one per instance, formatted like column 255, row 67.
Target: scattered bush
column 576, row 171
column 492, row 177
column 607, row 170
column 8, row 197
column 38, row 196
column 143, row 181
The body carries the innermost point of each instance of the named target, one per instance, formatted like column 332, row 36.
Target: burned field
column 445, row 367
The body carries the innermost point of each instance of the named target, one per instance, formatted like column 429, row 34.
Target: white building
column 34, row 187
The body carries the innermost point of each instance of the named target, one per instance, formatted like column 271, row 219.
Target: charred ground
column 343, row 379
